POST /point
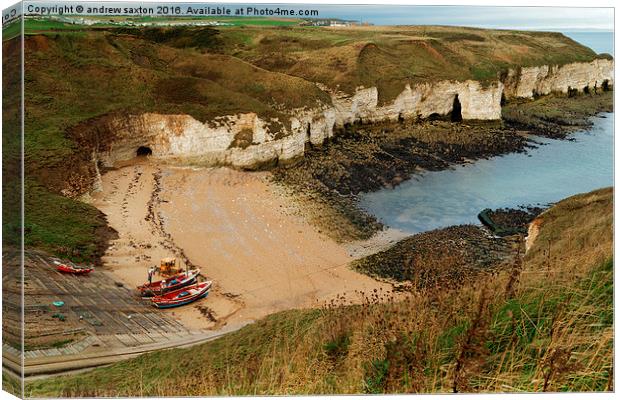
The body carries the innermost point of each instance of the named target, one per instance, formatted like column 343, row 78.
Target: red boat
column 75, row 270
column 167, row 285
column 182, row 296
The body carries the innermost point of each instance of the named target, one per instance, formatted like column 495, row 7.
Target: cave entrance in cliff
column 456, row 115
column 605, row 85
column 144, row 151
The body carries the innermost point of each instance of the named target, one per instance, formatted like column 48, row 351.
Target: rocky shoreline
column 450, row 256
column 509, row 221
column 445, row 257
column 557, row 117
column 367, row 158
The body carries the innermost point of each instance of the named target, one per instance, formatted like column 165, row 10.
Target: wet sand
column 238, row 228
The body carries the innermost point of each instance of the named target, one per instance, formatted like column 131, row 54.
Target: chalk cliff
column 531, row 81
column 249, row 142
column 421, row 101
column 243, row 140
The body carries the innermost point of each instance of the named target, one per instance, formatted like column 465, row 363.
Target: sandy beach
column 241, row 231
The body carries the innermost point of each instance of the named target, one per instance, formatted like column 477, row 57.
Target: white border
column 531, row 3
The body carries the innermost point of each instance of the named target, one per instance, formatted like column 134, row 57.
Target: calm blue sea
column 553, row 171
column 600, row 41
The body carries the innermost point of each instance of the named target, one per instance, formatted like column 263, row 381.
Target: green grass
column 246, row 346
column 390, row 57
column 11, row 144
column 11, row 385
column 11, row 30
column 62, row 226
column 39, row 26
column 257, row 21
column 524, row 329
column 33, row 26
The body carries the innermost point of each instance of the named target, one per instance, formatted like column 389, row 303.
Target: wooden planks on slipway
column 95, row 306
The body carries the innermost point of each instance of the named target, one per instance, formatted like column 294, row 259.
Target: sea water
column 599, row 41
column 556, row 169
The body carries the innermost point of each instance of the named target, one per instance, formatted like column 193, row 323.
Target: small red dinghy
column 75, row 270
column 182, row 296
column 170, row 284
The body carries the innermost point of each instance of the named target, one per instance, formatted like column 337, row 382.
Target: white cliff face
column 481, row 103
column 183, row 137
column 530, row 81
column 421, row 101
column 246, row 141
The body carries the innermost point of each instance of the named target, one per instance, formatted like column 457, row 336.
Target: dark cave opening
column 456, row 116
column 605, row 85
column 144, row 151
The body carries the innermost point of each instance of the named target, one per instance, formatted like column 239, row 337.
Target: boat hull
column 162, row 306
column 178, row 298
column 66, row 269
column 155, row 288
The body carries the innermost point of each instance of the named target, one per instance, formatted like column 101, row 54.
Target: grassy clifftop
column 390, row 57
column 546, row 324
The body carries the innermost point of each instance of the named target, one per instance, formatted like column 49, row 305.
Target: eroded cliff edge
column 247, row 141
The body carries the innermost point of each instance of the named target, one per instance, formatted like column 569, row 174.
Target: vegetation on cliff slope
column 11, row 384
column 76, row 75
column 544, row 324
column 11, row 145
column 390, row 57
column 11, row 202
column 74, row 78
